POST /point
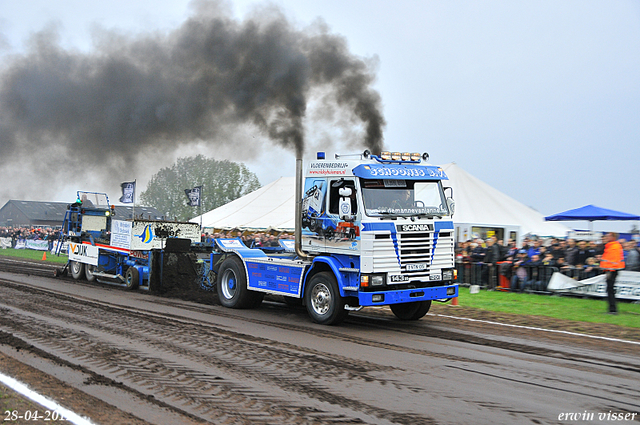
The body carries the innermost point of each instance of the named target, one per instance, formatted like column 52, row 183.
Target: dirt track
column 163, row 360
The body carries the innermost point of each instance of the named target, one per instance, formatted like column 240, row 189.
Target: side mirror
column 452, row 205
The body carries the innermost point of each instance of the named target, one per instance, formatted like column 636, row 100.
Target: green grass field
column 552, row 306
column 30, row 254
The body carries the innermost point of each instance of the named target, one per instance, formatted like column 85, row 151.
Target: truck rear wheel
column 232, row 286
column 323, row 301
column 411, row 311
column 77, row 270
column 132, row 278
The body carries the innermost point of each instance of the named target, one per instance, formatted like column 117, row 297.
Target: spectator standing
column 556, row 250
column 492, row 256
column 632, row 258
column 612, row 261
column 520, row 273
column 583, row 253
column 571, row 252
column 534, row 249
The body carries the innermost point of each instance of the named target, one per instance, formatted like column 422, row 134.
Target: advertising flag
column 128, row 192
column 194, row 196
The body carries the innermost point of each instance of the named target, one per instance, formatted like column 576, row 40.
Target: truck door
column 314, row 214
column 343, row 216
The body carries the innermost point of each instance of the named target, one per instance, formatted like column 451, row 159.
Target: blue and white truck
column 371, row 230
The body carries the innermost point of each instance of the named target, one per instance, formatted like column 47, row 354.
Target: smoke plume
column 158, row 91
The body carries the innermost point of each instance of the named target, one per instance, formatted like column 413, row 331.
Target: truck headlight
column 377, row 280
column 447, row 274
column 367, row 280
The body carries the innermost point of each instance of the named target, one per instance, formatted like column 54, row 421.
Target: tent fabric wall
column 477, row 204
column 271, row 206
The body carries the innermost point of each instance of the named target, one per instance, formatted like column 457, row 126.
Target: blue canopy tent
column 591, row 213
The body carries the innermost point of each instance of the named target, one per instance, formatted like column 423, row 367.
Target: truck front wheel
column 232, row 286
column 323, row 301
column 77, row 270
column 411, row 311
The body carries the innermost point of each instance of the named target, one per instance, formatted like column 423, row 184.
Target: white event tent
column 477, row 205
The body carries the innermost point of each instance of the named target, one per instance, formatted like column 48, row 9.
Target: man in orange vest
column 612, row 261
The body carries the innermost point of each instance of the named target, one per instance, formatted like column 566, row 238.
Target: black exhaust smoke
column 197, row 83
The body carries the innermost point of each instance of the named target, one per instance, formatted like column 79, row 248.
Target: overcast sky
column 540, row 99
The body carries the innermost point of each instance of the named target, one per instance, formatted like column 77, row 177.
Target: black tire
column 232, row 286
column 323, row 301
column 132, row 278
column 77, row 270
column 411, row 311
column 88, row 271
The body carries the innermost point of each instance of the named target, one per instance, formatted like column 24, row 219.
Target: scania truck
column 371, row 230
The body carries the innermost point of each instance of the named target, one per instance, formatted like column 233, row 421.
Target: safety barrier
column 505, row 276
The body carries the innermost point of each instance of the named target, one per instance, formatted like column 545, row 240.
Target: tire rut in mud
column 208, row 372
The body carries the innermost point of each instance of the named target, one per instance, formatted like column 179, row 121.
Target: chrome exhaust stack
column 298, row 222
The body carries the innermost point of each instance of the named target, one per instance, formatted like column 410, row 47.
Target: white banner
column 627, row 285
column 121, row 234
column 20, row 244
column 83, row 253
column 5, row 243
column 38, row 245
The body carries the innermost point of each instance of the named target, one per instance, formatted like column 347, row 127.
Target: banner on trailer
column 146, row 235
column 121, row 234
column 627, row 285
column 83, row 253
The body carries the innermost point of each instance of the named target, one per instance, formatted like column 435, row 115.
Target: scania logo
column 416, row 227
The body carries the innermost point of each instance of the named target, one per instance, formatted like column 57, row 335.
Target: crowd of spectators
column 530, row 265
column 29, row 233
column 251, row 240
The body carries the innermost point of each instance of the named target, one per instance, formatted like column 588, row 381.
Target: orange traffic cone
column 44, row 256
column 454, row 301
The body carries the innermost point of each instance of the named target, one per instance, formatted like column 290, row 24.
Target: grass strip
column 563, row 307
column 30, row 254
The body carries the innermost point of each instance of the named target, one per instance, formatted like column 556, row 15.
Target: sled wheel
column 132, row 278
column 77, row 270
column 88, row 271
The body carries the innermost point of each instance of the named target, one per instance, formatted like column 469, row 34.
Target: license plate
column 398, row 278
column 413, row 267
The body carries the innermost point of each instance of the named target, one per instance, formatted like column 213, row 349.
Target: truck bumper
column 407, row 295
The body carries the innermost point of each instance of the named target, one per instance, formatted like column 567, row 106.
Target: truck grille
column 419, row 253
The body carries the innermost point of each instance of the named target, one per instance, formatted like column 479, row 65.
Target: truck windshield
column 403, row 198
column 93, row 199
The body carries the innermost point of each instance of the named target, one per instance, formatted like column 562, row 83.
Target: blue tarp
column 591, row 213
